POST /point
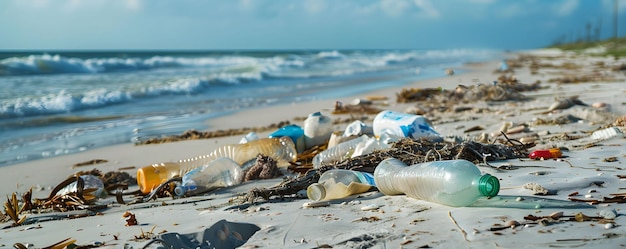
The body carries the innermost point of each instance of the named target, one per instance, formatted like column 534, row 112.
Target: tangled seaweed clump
column 507, row 88
column 410, row 151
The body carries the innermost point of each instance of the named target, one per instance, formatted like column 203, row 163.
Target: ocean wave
column 57, row 64
column 67, row 101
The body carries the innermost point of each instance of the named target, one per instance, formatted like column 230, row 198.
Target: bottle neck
column 488, row 185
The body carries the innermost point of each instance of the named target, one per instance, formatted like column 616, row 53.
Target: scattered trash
column 295, row 132
column 317, row 129
column 339, row 152
column 90, row 183
column 314, row 204
column 370, row 207
column 131, row 220
column 403, row 125
column 281, row 149
column 251, row 136
column 340, row 183
column 607, row 133
column 449, row 182
column 449, row 71
column 358, row 128
column 546, row 154
column 221, row 172
column 565, row 104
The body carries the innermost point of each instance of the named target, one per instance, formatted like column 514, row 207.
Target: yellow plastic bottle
column 282, row 149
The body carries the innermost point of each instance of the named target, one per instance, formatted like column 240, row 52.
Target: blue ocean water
column 57, row 103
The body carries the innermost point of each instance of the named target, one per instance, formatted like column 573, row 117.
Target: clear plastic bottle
column 403, row 125
column 317, row 129
column 221, row 172
column 340, row 183
column 280, row 149
column 454, row 183
column 339, row 152
column 369, row 146
column 295, row 132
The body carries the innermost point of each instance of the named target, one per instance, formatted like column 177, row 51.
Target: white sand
column 400, row 222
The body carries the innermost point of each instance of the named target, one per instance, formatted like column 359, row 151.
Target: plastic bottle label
column 367, row 178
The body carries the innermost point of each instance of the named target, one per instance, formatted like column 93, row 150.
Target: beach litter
column 403, row 146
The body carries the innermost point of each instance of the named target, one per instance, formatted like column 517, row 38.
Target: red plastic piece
column 546, row 154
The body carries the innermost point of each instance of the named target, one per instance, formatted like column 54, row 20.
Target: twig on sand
column 457, row 225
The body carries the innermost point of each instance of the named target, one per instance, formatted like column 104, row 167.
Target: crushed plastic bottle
column 454, row 183
column 340, row 183
column 402, row 125
column 358, row 128
column 280, row 149
column 339, row 152
column 221, row 172
column 91, row 182
column 369, row 146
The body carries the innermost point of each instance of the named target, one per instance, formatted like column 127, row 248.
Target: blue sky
column 299, row 24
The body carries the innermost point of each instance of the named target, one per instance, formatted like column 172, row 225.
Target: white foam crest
column 100, row 97
column 189, row 85
column 42, row 64
column 51, row 103
column 330, row 54
column 51, row 64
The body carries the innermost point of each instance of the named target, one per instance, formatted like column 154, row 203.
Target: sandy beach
column 587, row 184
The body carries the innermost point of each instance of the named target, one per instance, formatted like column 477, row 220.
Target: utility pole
column 615, row 24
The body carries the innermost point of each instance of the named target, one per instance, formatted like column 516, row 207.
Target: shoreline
column 397, row 221
column 282, row 112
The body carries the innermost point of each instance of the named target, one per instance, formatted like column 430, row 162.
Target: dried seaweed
column 506, row 88
column 14, row 210
column 409, row 151
column 194, row 134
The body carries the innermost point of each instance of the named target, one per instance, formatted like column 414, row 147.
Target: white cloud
column 427, row 8
column 395, row 7
column 511, row 10
column 134, row 4
column 610, row 4
column 567, row 7
column 315, row 6
column 31, row 4
column 482, row 1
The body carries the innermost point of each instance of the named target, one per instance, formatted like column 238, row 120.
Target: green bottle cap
column 488, row 185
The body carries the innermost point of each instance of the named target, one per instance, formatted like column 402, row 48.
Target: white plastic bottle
column 454, row 183
column 317, row 129
column 402, row 125
column 221, row 172
column 280, row 149
column 339, row 152
column 340, row 183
